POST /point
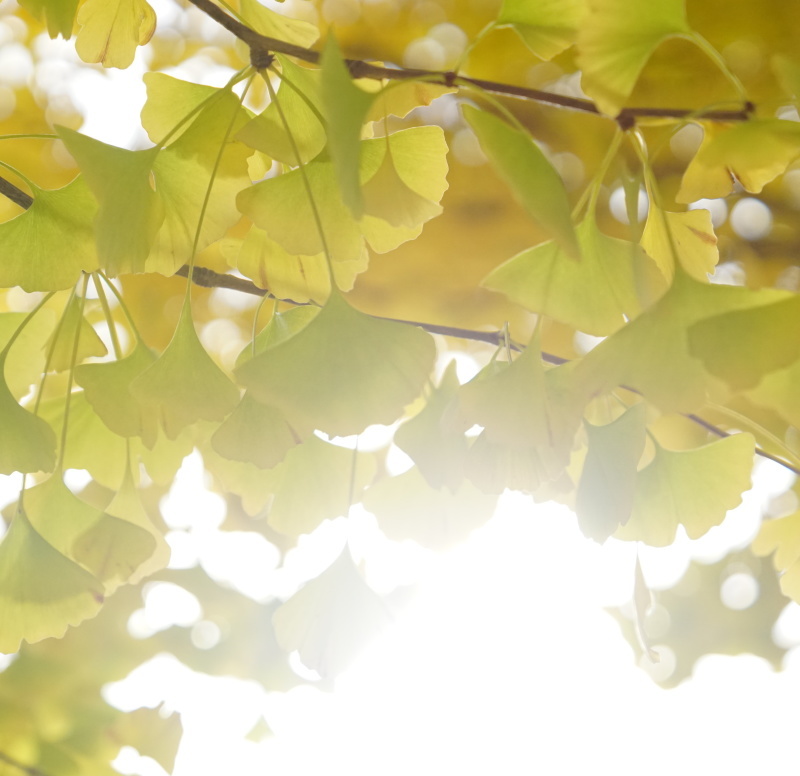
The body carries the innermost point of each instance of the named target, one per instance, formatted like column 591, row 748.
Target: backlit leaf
column 59, row 14
column 112, row 29
column 535, row 183
column 275, row 25
column 73, row 324
column 547, row 27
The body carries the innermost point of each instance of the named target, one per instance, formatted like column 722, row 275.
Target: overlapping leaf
column 547, row 27
column 59, row 14
column 275, row 25
column 61, row 346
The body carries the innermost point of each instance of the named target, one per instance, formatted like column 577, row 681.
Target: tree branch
column 261, row 45
column 16, row 195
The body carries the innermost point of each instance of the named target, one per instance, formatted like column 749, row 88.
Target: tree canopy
column 596, row 201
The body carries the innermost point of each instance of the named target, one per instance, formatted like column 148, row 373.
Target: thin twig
column 361, row 69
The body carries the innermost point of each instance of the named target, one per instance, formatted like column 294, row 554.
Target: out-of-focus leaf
column 111, row 30
column 59, row 14
column 275, row 25
column 152, row 733
column 547, row 27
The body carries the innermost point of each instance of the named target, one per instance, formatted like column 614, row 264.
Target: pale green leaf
column 548, row 27
column 59, row 14
column 61, row 345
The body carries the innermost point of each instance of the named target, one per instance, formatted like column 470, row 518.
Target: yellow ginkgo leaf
column 112, row 29
column 547, row 26
column 275, row 25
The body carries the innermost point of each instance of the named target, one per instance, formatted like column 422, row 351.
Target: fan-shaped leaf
column 547, row 26
column 112, row 29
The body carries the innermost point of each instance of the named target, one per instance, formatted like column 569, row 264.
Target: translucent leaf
column 548, row 27
column 778, row 391
column 255, row 433
column 530, row 176
column 788, row 72
column 42, row 593
column 184, row 385
column 616, row 39
column 595, row 295
column 402, row 97
column 129, row 213
column 651, row 354
column 275, row 25
column 407, row 507
column 155, row 733
column 281, row 326
column 693, row 488
column 73, row 324
column 107, row 389
column 343, row 371
column 59, row 14
column 317, row 481
column 267, row 132
column 346, row 108
column 27, row 443
column 245, row 480
column 109, row 548
column 604, row 498
column 46, row 247
column 690, row 234
column 753, row 152
column 742, row 346
column 112, row 29
column 331, row 618
column 25, row 360
column 782, row 537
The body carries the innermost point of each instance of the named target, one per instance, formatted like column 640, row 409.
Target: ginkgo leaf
column 343, row 371
column 46, row 247
column 316, row 481
column 651, row 354
column 782, row 537
column 331, row 618
column 27, row 443
column 788, row 72
column 693, row 488
column 345, row 107
column 548, row 27
column 42, row 593
column 109, row 548
column 530, row 176
column 129, row 213
column 753, row 152
column 300, row 99
column 615, row 40
column 605, row 494
column 281, row 327
column 184, row 384
column 245, row 480
column 59, row 14
column 434, row 437
column 107, row 389
column 689, row 236
column 25, row 359
column 595, row 295
column 778, row 391
column 407, row 507
column 401, row 97
column 274, row 25
column 112, row 29
column 740, row 347
column 256, row 433
column 61, row 345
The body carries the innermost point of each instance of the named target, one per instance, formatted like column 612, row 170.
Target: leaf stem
column 112, row 327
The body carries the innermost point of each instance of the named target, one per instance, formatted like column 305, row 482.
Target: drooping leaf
column 73, row 324
column 615, row 40
column 595, row 295
column 59, row 14
column 331, row 618
column 47, row 247
column 275, row 25
column 42, row 593
column 184, row 384
column 605, row 494
column 129, row 211
column 548, row 27
column 111, row 30
column 689, row 236
column 530, row 176
column 753, row 152
column 693, row 488
column 402, row 97
column 342, row 372
column 407, row 507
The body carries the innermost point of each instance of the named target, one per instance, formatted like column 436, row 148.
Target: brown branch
column 361, row 69
column 16, row 195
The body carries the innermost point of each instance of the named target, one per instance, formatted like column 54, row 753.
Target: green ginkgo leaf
column 342, row 372
column 402, row 97
column 548, row 27
column 61, row 345
column 25, row 359
column 109, row 548
column 782, row 537
column 111, row 30
column 605, row 494
column 184, row 384
column 42, row 593
column 615, row 40
column 107, row 388
column 530, row 176
column 275, row 25
column 27, row 443
column 255, row 433
column 407, row 507
column 331, row 618
column 687, row 236
column 46, row 247
column 316, row 481
column 778, row 391
column 129, row 212
column 59, row 14
column 346, row 107
column 281, row 327
column 693, row 488
column 740, row 347
column 595, row 295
